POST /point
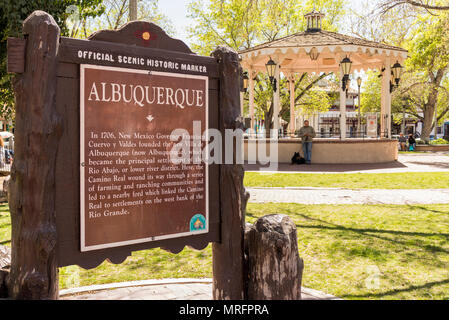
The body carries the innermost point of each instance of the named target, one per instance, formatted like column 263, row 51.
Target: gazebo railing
column 327, row 126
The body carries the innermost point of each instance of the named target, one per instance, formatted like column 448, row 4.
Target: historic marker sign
column 117, row 188
column 106, row 174
column 131, row 191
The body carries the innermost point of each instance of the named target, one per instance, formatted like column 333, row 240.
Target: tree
column 76, row 18
column 429, row 65
column 428, row 5
column 116, row 14
column 12, row 15
column 242, row 24
column 423, row 89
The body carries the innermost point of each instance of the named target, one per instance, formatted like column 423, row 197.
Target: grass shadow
column 397, row 291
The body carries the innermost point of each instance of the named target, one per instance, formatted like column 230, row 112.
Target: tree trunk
column 429, row 107
column 132, row 8
column 428, row 122
column 274, row 266
column 228, row 255
column 34, row 273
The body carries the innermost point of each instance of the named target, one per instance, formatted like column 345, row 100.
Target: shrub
column 419, row 141
column 439, row 141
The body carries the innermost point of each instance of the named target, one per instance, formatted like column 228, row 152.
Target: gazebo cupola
column 314, row 21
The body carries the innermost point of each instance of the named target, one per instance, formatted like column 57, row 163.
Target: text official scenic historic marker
column 131, row 191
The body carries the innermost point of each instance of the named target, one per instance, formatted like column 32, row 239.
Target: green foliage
column 439, row 141
column 79, row 14
column 76, row 18
column 370, row 97
column 428, row 64
column 241, row 24
column 424, row 85
column 408, row 180
column 12, row 15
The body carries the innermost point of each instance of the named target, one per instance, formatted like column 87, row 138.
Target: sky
column 176, row 11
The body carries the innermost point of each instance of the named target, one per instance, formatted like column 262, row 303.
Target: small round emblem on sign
column 146, row 35
column 198, row 222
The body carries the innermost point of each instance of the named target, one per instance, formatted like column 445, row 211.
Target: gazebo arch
column 317, row 50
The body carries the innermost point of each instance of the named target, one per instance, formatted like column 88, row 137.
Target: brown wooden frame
column 45, row 177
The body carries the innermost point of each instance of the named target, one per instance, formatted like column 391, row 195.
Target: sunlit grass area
column 343, row 247
column 5, row 225
column 350, row 251
column 410, row 180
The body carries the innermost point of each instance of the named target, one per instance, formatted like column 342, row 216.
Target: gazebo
column 317, row 50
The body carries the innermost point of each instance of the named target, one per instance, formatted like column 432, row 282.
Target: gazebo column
column 388, row 101
column 241, row 105
column 276, row 102
column 292, row 105
column 342, row 109
column 251, row 99
column 385, row 101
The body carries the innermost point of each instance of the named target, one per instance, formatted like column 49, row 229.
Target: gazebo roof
column 292, row 52
column 321, row 38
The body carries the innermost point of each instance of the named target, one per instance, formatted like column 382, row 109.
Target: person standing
column 307, row 133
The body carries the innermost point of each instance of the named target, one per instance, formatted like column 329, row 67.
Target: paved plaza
column 348, row 196
column 164, row 289
column 412, row 162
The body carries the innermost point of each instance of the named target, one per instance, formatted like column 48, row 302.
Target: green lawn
column 410, row 180
column 5, row 225
column 341, row 246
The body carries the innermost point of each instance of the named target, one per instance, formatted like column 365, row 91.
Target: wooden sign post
column 98, row 124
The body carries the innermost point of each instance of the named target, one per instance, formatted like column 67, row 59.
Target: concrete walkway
column 164, row 289
column 348, row 196
column 413, row 162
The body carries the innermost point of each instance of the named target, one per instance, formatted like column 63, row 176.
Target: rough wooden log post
column 228, row 255
column 274, row 266
column 34, row 272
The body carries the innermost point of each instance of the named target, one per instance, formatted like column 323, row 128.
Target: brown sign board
column 117, row 190
column 131, row 191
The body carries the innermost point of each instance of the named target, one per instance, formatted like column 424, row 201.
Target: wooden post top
column 141, row 34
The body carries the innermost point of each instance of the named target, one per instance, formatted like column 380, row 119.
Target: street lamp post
column 271, row 69
column 273, row 74
column 245, row 81
column 345, row 65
